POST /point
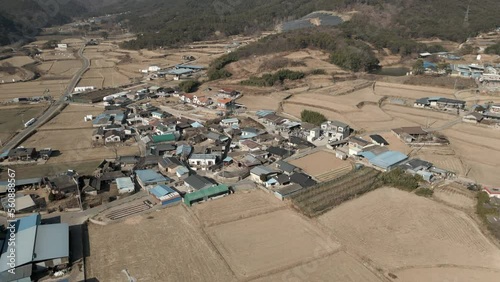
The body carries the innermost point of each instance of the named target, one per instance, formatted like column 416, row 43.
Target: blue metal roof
column 263, row 113
column 228, row 159
column 388, row 159
column 180, row 71
column 192, row 67
column 28, row 222
column 161, row 190
column 196, row 125
column 28, row 181
column 4, row 154
column 52, row 242
column 367, row 155
column 147, row 176
column 182, row 170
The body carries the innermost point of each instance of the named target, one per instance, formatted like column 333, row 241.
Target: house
column 165, row 195
column 169, row 137
column 187, row 98
column 249, row 161
column 164, row 129
column 197, row 182
column 248, row 133
column 388, row 160
column 492, row 192
column 337, row 130
column 203, row 161
column 313, row 134
column 357, row 145
column 473, row 117
column 379, row 140
column 279, row 152
column 169, row 164
column 125, row 185
column 183, row 151
column 229, row 92
column 439, row 103
column 113, row 136
column 45, row 154
column 91, row 186
column 39, row 248
column 162, row 149
column 216, row 137
column 261, row 174
column 147, row 177
column 225, row 103
column 273, row 120
column 414, row 165
column 302, row 179
column 282, row 179
column 410, row 134
column 22, row 154
column 158, row 114
column 153, row 68
column 287, row 168
column 229, row 122
column 249, row 145
column 495, row 108
column 299, row 143
column 63, row 184
column 182, row 171
column 206, row 194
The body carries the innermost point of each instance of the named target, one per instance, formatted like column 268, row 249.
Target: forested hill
column 23, row 19
column 175, row 22
column 171, row 22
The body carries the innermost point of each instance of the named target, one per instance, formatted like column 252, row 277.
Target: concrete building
column 202, row 161
column 334, row 129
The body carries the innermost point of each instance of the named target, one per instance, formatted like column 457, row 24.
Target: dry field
column 319, row 163
column 337, row 267
column 72, row 118
column 477, row 148
column 74, row 145
column 236, row 207
column 455, row 196
column 32, row 88
column 169, row 246
column 396, row 230
column 259, row 102
column 11, row 118
column 448, row 274
column 265, row 244
column 18, row 61
column 411, row 91
column 63, row 68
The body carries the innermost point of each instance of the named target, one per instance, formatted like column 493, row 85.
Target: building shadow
column 52, row 220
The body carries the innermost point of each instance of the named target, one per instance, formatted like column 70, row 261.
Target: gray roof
column 284, row 166
column 262, row 170
column 198, row 182
column 52, row 241
column 203, row 156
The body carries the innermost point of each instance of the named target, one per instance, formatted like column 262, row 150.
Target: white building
column 154, row 68
column 125, row 185
column 202, row 161
column 83, row 88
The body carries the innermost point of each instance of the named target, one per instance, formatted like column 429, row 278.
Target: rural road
column 54, row 107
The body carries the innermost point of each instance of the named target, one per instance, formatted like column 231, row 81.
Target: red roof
column 225, row 101
column 492, row 191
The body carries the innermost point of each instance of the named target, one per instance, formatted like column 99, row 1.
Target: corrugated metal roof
column 388, row 159
column 148, row 175
column 28, row 181
column 208, row 192
column 163, row 138
column 52, row 241
column 124, row 183
column 161, row 190
column 180, row 71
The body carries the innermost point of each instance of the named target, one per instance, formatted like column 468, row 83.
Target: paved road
column 54, row 107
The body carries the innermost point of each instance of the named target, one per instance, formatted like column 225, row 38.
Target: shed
column 125, row 185
column 205, row 194
column 165, row 195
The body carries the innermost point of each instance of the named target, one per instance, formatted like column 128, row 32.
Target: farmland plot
column 396, row 229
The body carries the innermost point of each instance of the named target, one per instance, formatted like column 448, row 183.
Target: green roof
column 163, row 138
column 205, row 193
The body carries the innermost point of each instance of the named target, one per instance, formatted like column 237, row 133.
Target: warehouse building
column 149, row 177
column 385, row 161
column 39, row 248
column 206, row 194
column 164, row 195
